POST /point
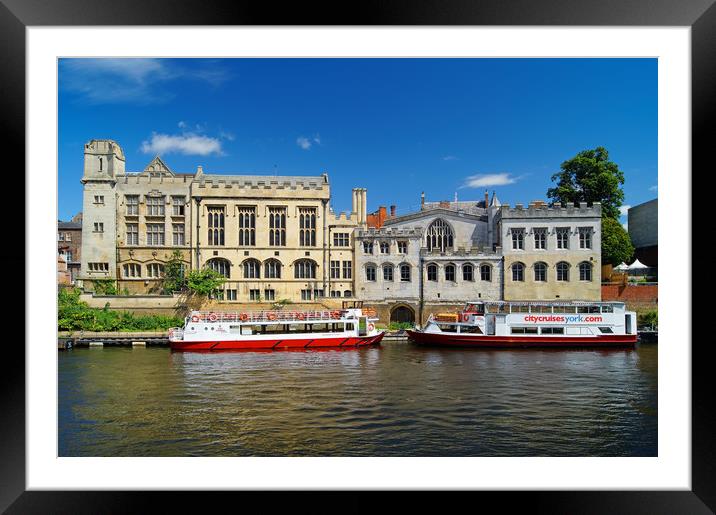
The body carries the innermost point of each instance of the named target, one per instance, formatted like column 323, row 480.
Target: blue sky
column 395, row 126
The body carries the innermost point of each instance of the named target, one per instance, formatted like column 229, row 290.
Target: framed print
column 474, row 316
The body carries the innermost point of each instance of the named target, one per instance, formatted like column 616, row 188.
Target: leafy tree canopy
column 590, row 177
column 616, row 244
column 204, row 281
column 174, row 273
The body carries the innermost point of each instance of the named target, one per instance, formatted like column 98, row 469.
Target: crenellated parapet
column 258, row 182
column 541, row 210
column 389, row 233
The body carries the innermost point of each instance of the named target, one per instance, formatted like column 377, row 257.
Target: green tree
column 174, row 274
column 616, row 244
column 204, row 281
column 590, row 177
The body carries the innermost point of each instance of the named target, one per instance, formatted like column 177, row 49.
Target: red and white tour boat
column 531, row 324
column 351, row 326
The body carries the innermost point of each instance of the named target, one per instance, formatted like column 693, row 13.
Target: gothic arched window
column 439, row 236
column 219, row 265
column 304, row 269
column 252, row 269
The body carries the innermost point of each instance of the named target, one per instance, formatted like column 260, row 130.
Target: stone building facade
column 448, row 253
column 431, row 260
column 550, row 252
column 272, row 237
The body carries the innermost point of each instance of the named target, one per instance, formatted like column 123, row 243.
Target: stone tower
column 104, row 161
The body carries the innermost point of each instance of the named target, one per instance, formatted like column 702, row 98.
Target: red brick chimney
column 392, row 211
column 375, row 220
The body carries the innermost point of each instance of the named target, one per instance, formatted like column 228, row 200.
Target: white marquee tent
column 621, row 267
column 637, row 265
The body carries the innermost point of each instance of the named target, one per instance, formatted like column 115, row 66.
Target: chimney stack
column 487, row 199
column 392, row 211
column 422, row 200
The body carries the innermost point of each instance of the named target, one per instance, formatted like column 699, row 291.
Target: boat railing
column 326, row 315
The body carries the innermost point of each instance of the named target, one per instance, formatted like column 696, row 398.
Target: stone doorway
column 402, row 314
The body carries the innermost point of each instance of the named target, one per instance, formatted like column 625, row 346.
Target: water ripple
column 397, row 400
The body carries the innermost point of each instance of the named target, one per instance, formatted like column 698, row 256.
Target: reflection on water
column 394, row 400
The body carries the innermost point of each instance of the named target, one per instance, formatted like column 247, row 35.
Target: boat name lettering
column 569, row 319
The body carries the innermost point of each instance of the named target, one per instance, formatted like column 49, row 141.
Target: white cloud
column 626, row 226
column 189, row 144
column 449, row 158
column 624, row 210
column 303, row 142
column 130, row 80
column 306, row 143
column 653, row 188
column 182, row 124
column 489, row 179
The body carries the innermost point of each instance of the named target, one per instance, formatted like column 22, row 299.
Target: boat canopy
column 546, row 302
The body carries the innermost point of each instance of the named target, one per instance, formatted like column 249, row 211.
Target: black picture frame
column 17, row 15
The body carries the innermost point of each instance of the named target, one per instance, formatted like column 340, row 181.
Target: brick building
column 69, row 248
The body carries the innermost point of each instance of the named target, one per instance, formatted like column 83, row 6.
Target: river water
column 392, row 400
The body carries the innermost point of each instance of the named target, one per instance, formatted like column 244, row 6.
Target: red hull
column 456, row 340
column 278, row 344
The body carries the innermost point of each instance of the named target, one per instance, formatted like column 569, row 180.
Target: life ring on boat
column 212, row 317
column 465, row 317
column 243, row 317
column 271, row 316
column 370, row 327
column 194, row 318
column 336, row 314
column 301, row 316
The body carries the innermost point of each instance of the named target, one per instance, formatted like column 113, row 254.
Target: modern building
column 643, row 224
column 69, row 249
column 451, row 252
column 272, row 237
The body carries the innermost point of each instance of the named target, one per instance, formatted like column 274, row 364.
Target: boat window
column 606, row 330
column 552, row 330
column 447, row 328
column 558, row 309
column 594, row 309
column 350, row 327
column 582, row 309
column 521, row 308
column 524, row 330
column 570, row 309
column 607, row 309
column 541, row 309
column 470, row 329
